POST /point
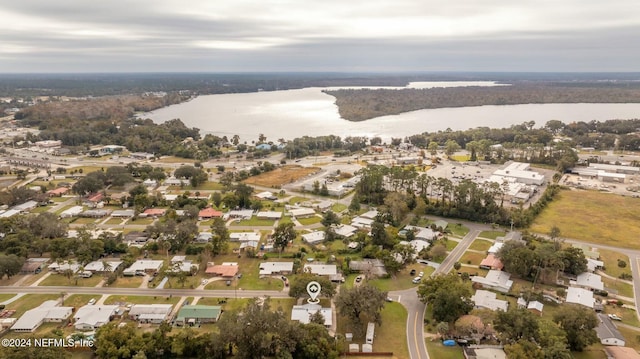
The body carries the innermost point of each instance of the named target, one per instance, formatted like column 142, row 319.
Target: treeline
column 308, row 146
column 364, row 104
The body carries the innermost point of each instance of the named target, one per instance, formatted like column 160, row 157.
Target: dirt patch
column 281, row 176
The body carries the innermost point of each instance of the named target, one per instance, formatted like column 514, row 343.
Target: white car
column 421, row 274
column 417, row 280
column 614, row 317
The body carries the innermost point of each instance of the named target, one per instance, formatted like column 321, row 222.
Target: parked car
column 413, row 272
column 417, row 280
column 389, row 299
column 228, row 283
column 92, row 301
column 359, row 279
column 421, row 274
column 614, row 317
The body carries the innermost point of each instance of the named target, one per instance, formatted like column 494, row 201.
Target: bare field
column 592, row 216
column 281, row 176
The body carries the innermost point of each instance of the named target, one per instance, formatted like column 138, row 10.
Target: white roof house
column 123, row 213
column 266, row 195
column 249, row 244
column 150, row 313
column 345, row 230
column 423, row 233
column 243, row 213
column 588, row 280
column 71, row 212
column 496, row 280
column 302, row 212
column 46, row 312
column 270, row 268
column 61, row 267
column 244, row 236
column 144, row 265
column 303, row 313
column 370, row 214
column 495, row 247
column 417, row 244
column 314, row 237
column 593, row 264
column 486, row 299
column 580, row 296
column 362, row 222
column 534, row 305
column 269, row 215
column 183, row 266
column 321, row 269
column 98, row 266
column 92, row 317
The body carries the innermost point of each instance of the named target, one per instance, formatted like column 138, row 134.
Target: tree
column 433, row 148
column 220, row 238
column 330, row 218
column 574, row 260
column 451, row 147
column 216, row 197
column 361, row 305
column 579, row 324
column 10, row 265
column 283, row 235
column 517, row 324
column 448, row 295
column 298, row 286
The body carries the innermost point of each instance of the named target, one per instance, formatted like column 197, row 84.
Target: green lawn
column 596, row 217
column 79, row 300
column 114, row 221
column 624, row 289
column 285, row 219
column 473, row 271
column 439, row 351
column 628, row 316
column 491, row 234
column 458, row 229
column 29, row 301
column 294, row 200
column 610, row 259
column 56, row 280
column 249, row 268
column 5, row 297
column 254, row 221
column 310, row 220
column 128, row 282
column 391, row 336
column 472, row 258
column 451, row 244
column 481, row 245
column 338, row 207
column 130, row 299
column 402, row 280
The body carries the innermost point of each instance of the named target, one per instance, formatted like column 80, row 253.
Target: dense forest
column 364, row 104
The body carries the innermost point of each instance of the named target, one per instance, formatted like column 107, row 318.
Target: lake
column 295, row 113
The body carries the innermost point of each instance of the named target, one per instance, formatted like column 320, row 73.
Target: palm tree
column 106, row 267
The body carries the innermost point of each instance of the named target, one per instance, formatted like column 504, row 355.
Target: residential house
column 321, row 269
column 588, row 280
column 272, row 268
column 580, row 296
column 302, row 212
column 362, row 222
column 92, row 317
column 371, row 267
column 141, row 155
column 225, row 270
column 150, row 313
column 249, row 244
column 100, row 267
column 496, row 280
column 270, row 215
column 589, row 252
column 487, row 300
column 143, row 266
column 95, row 213
column 244, row 236
column 64, row 266
column 608, row 333
column 154, row 212
column 495, row 247
column 123, row 213
column 324, row 206
column 422, row 233
column 372, row 214
column 48, row 311
column 535, row 307
column 345, row 230
column 182, row 264
column 198, row 314
column 34, row 265
column 267, row 195
column 204, row 237
column 58, row 192
column 314, row 237
column 241, row 214
column 303, row 313
column 150, row 183
column 491, row 262
column 209, row 213
column 93, row 199
column 593, row 265
column 441, row 224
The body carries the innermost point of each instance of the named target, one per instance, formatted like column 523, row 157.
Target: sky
column 317, row 36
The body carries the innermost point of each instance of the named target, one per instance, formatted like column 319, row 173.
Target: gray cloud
column 381, row 35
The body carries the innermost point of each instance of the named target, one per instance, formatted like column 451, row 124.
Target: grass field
column 310, row 220
column 403, row 280
column 280, row 176
column 472, row 258
column 437, row 350
column 113, row 299
column 254, row 221
column 458, row 229
column 127, row 282
column 595, row 217
column 610, row 259
column 5, row 297
column 623, row 289
column 29, row 301
column 56, row 280
column 491, row 234
column 391, row 336
column 480, row 245
column 451, row 244
column 79, row 300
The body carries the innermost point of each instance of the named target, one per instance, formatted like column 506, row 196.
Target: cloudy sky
column 328, row 35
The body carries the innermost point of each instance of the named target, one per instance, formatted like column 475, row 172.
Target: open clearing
column 592, row 216
column 281, row 176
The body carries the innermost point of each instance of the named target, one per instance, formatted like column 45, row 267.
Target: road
column 146, row 292
column 415, row 308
